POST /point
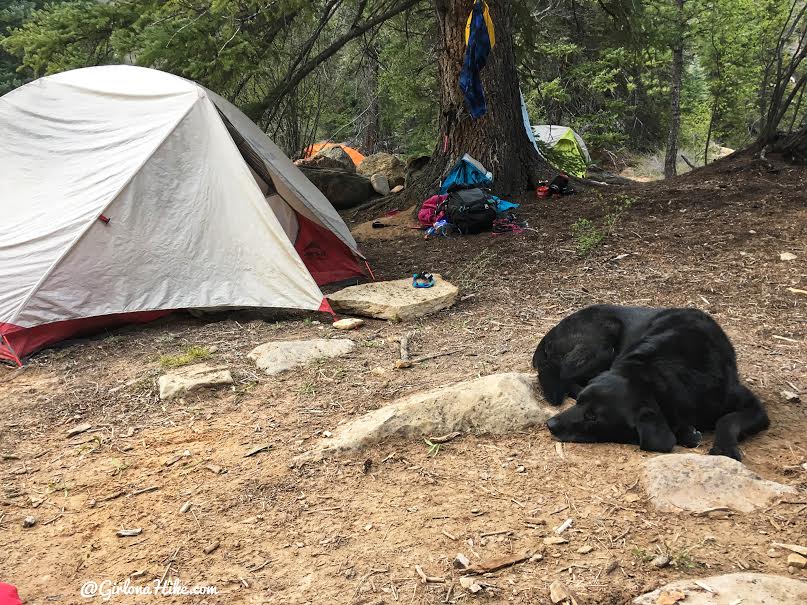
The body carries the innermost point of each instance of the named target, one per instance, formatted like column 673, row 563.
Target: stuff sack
column 431, row 210
column 470, row 211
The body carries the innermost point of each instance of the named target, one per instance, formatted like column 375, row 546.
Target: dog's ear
column 654, row 432
column 583, row 361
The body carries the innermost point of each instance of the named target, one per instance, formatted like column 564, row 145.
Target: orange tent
column 354, row 154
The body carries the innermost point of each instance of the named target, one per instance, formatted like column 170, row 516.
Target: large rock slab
column 281, row 355
column 191, row 378
column 745, row 588
column 693, row 482
column 395, row 300
column 495, row 404
column 387, row 164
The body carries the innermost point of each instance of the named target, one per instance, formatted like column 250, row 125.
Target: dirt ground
column 352, row 530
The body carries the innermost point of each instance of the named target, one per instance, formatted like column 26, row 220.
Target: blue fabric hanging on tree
column 480, row 39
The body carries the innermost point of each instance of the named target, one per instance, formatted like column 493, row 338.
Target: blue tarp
column 476, row 55
column 467, row 172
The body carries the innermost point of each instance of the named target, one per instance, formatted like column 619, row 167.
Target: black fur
column 677, row 378
column 585, row 344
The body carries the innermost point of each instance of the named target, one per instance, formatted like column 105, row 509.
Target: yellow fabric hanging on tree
column 488, row 23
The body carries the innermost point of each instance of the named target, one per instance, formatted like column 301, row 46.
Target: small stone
column 378, row 371
column 660, row 561
column 536, row 557
column 185, row 507
column 77, row 430
column 787, row 256
column 796, row 560
column 585, row 549
column 397, row 189
column 29, row 521
column 327, row 434
column 190, row 378
column 213, row 349
column 380, row 184
column 521, row 469
column 349, row 323
column 461, row 561
column 774, row 554
column 552, row 540
column 791, row 397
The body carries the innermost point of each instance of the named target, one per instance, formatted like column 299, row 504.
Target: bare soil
column 352, row 530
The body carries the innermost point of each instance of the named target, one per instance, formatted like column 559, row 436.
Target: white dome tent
column 129, row 192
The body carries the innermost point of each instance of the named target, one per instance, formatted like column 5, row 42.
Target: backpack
column 470, row 211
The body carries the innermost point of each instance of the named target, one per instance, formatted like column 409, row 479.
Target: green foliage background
column 600, row 66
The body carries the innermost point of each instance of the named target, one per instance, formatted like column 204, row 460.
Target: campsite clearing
column 207, row 478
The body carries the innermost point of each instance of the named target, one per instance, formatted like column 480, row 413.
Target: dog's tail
column 748, row 418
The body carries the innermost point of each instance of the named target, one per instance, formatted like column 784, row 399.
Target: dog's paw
column 690, row 437
column 730, row 452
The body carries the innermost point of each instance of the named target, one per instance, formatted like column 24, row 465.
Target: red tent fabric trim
column 19, row 341
column 326, row 257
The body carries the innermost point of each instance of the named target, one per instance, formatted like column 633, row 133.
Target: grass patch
column 588, row 235
column 190, row 355
column 471, row 275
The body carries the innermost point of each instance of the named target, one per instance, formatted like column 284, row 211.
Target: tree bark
column 498, row 139
column 670, row 161
column 371, row 126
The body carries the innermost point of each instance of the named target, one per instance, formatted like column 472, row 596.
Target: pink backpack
column 428, row 213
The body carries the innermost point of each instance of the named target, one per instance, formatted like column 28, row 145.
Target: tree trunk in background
column 370, row 124
column 498, row 139
column 671, row 159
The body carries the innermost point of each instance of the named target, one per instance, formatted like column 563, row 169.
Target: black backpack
column 470, row 211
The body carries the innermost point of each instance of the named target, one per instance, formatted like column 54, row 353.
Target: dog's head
column 547, row 361
column 611, row 409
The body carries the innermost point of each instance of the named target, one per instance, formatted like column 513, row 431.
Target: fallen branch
column 496, row 564
column 428, row 579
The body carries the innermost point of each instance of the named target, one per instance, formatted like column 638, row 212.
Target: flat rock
column 748, row 588
column 394, row 300
column 694, row 482
column 192, row 378
column 281, row 355
column 496, row 404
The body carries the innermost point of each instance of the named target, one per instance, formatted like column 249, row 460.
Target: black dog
column 678, row 377
column 585, row 344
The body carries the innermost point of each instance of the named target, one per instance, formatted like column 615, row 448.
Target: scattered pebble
column 349, row 323
column 29, row 521
column 660, row 561
column 585, row 549
column 521, row 469
column 796, row 560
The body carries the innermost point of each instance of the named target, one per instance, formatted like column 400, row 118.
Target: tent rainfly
column 129, row 192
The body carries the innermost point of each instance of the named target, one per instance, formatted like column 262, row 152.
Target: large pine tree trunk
column 498, row 139
column 671, row 160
